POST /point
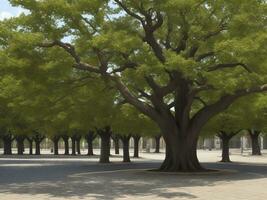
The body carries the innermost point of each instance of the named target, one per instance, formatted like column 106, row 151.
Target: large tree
column 162, row 56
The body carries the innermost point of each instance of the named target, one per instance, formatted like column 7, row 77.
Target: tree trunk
column 136, row 146
column 157, row 140
column 7, row 139
column 126, row 154
column 20, row 144
column 30, row 146
column 105, row 135
column 181, row 152
column 38, row 138
column 37, row 147
column 254, row 135
column 90, row 138
column 55, row 141
column 73, row 147
column 66, row 144
column 116, row 144
column 90, row 148
column 225, row 138
column 78, row 146
column 225, row 150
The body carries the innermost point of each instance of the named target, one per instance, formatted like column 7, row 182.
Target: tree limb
column 71, row 50
column 201, row 100
column 128, row 11
column 203, row 115
column 131, row 99
column 148, row 27
column 228, row 65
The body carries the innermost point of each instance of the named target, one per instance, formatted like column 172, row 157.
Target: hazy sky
column 7, row 11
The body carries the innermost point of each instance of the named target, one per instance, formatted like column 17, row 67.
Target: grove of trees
column 126, row 68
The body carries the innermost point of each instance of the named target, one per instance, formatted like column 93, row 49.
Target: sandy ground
column 80, row 177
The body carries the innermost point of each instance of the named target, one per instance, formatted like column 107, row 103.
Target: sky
column 7, row 11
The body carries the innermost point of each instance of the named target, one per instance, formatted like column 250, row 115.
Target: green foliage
column 130, row 121
column 229, row 121
column 142, row 40
column 254, row 114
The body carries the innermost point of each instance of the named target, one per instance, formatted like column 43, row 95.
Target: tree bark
column 90, row 138
column 78, row 145
column 7, row 139
column 116, row 144
column 55, row 142
column 254, row 135
column 37, row 148
column 181, row 150
column 73, row 146
column 20, row 144
column 31, row 147
column 38, row 139
column 30, row 140
column 225, row 138
column 157, row 140
column 125, row 141
column 225, row 150
column 105, row 135
column 66, row 144
column 136, row 146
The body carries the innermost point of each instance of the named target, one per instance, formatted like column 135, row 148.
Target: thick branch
column 131, row 99
column 162, row 91
column 201, row 100
column 207, row 112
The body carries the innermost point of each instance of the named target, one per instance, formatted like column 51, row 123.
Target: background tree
column 116, row 141
column 94, row 111
column 226, row 125
column 89, row 137
column 255, row 120
column 157, row 143
column 129, row 122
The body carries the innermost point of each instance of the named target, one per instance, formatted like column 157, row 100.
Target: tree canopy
column 178, row 62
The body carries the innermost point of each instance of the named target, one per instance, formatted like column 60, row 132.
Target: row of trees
column 34, row 141
column 34, row 110
column 245, row 117
column 40, row 100
column 71, row 65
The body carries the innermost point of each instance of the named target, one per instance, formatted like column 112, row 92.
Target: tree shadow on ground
column 112, row 181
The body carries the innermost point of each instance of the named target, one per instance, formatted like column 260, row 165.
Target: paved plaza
column 79, row 177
